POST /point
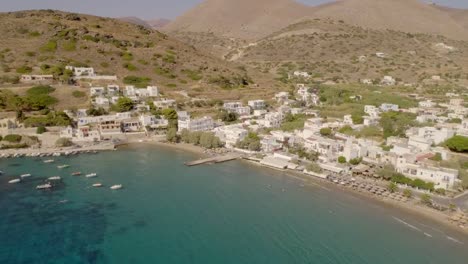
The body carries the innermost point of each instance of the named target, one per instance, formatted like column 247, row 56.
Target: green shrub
column 40, row 90
column 13, row 138
column 458, row 144
column 137, row 81
column 130, row 66
column 50, row 46
column 341, row 159
column 41, row 130
column 326, row 132
column 78, row 94
column 63, row 142
column 69, row 45
column 24, row 69
column 15, row 146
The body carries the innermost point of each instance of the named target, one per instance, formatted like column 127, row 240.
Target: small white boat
column 97, row 185
column 91, row 175
column 44, row 186
column 55, row 178
column 116, row 187
column 1, row 172
column 49, row 161
column 63, row 166
column 25, row 175
column 15, row 181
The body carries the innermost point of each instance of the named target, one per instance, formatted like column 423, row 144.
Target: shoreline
column 412, row 207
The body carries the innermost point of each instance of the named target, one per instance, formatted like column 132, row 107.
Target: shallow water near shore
column 225, row 213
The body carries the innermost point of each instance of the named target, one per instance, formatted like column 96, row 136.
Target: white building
column 37, row 78
column 427, row 104
column 301, row 74
column 200, row 124
column 441, row 177
column 281, row 97
column 371, row 110
column 153, row 122
column 237, row 107
column 113, row 89
column 81, row 71
column 97, row 91
column 389, row 107
column 164, row 103
column 436, row 135
column 273, row 120
column 230, row 135
column 388, row 80
column 257, row 104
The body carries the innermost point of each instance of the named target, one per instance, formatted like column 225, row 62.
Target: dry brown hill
column 459, row 15
column 43, row 42
column 246, row 19
column 334, row 50
column 136, row 21
column 403, row 15
column 158, row 23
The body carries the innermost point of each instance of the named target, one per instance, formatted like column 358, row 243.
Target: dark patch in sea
column 140, row 223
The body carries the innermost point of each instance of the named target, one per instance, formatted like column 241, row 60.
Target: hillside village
column 289, row 131
column 374, row 121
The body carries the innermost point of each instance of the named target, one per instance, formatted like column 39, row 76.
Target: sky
column 146, row 9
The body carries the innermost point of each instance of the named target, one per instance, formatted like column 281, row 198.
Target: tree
column 386, row 172
column 440, row 191
column 392, row 187
column 357, row 119
column 41, row 130
column 185, row 136
column 96, row 112
column 171, row 135
column 194, row 137
column 63, row 142
column 228, row 117
column 341, row 160
column 407, row 193
column 457, row 144
column 355, row 161
column 314, row 167
column 12, row 138
column 396, row 123
column 124, row 104
column 326, row 132
column 426, row 199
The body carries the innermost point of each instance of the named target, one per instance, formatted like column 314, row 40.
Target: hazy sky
column 141, row 8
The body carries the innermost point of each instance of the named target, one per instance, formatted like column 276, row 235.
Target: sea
column 225, row 213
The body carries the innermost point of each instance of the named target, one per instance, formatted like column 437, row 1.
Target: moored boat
column 26, row 175
column 55, row 178
column 91, row 175
column 49, row 161
column 116, row 187
column 15, row 181
column 63, row 166
column 77, row 173
column 97, row 185
column 44, row 186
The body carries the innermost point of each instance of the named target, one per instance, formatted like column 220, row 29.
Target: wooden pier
column 212, row 160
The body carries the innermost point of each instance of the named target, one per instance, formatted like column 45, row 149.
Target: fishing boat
column 63, row 166
column 44, row 186
column 55, row 178
column 15, row 181
column 97, row 185
column 76, row 173
column 91, row 175
column 116, row 187
column 25, row 175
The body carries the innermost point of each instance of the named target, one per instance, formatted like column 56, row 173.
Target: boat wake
column 455, row 240
column 407, row 224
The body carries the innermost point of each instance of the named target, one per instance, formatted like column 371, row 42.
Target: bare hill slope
column 44, row 42
column 403, row 15
column 244, row 19
column 247, row 19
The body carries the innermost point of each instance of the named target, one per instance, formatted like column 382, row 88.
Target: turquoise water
column 229, row 213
